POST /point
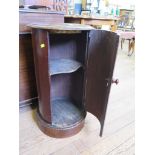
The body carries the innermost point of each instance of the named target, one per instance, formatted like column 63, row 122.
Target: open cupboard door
column 102, row 50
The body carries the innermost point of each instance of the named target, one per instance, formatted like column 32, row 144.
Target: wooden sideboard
column 94, row 21
column 27, row 81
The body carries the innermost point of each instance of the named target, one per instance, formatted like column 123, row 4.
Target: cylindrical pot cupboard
column 74, row 67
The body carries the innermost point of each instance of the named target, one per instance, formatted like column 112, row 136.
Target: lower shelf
column 65, row 113
column 67, row 119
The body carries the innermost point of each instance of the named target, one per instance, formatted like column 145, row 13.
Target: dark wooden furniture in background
column 30, row 16
column 74, row 67
column 54, row 5
column 27, row 82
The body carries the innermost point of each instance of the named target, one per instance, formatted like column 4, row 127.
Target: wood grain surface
column 27, row 80
column 62, row 26
column 101, row 60
column 60, row 66
column 89, row 87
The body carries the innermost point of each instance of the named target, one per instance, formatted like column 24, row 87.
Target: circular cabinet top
column 63, row 27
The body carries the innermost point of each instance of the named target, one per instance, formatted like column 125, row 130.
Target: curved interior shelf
column 59, row 66
column 65, row 113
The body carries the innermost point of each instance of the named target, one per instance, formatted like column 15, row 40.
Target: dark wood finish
column 41, row 71
column 64, row 28
column 67, row 96
column 68, row 86
column 48, row 129
column 59, row 66
column 70, row 46
column 63, row 87
column 27, row 81
column 101, row 59
column 72, row 20
column 38, row 17
column 65, row 113
column 54, row 5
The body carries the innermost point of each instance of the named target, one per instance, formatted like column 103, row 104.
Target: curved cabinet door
column 102, row 50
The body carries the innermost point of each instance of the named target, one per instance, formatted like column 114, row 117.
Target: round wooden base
column 51, row 131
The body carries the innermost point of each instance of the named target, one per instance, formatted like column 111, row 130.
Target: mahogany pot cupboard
column 74, row 68
column 27, row 81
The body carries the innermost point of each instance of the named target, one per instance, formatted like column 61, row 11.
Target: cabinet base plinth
column 51, row 131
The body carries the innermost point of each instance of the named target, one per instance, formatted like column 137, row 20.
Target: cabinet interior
column 67, row 63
